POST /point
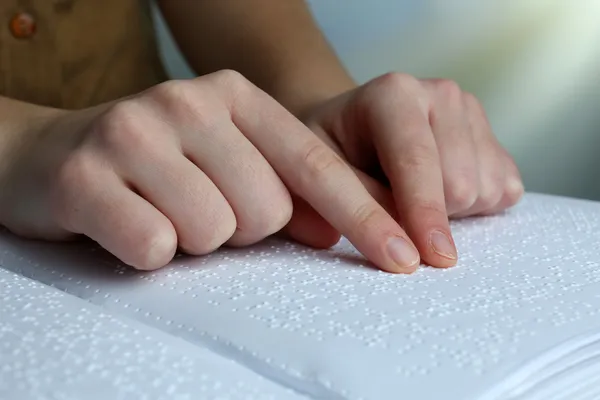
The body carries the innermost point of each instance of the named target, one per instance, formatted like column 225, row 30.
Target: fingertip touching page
column 522, row 300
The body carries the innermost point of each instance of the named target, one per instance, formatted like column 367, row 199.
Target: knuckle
column 155, row 248
column 280, row 219
column 394, row 87
column 230, row 76
column 220, row 229
column 449, row 89
column 461, row 192
column 270, row 218
column 231, row 80
column 234, row 88
column 417, row 157
column 396, row 80
column 266, row 219
column 471, row 99
column 426, row 207
column 182, row 103
column 514, row 191
column 170, row 90
column 319, row 160
column 475, row 105
column 217, row 227
column 122, row 113
column 367, row 216
column 387, row 86
column 490, row 195
column 121, row 126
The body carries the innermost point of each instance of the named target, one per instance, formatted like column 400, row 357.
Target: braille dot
column 519, row 276
column 87, row 347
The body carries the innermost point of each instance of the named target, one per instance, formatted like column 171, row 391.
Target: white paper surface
column 57, row 347
column 328, row 325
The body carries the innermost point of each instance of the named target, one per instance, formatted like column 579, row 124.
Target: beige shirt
column 76, row 53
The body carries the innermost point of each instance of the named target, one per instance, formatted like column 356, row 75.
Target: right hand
column 191, row 164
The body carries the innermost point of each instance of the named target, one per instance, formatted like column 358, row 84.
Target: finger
column 308, row 227
column 120, row 221
column 160, row 173
column 491, row 162
column 201, row 215
column 315, row 173
column 382, row 194
column 261, row 203
column 373, row 179
column 455, row 144
column 513, row 188
column 409, row 157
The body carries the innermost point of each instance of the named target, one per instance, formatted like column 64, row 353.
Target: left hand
column 424, row 149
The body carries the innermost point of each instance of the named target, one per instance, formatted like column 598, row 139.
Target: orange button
column 22, row 26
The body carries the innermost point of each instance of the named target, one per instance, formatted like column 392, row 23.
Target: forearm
column 276, row 44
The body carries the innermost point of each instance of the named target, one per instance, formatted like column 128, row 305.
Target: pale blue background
column 535, row 64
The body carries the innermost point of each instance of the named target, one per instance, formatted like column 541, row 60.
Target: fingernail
column 402, row 252
column 442, row 245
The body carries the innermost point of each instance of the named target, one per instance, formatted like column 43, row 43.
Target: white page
column 327, row 324
column 58, row 347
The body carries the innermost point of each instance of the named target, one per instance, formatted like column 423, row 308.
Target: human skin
column 287, row 144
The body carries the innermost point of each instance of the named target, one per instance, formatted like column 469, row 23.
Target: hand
column 431, row 150
column 191, row 164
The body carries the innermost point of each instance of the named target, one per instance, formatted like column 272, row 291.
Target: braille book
column 518, row 318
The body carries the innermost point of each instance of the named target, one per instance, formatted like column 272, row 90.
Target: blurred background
column 534, row 64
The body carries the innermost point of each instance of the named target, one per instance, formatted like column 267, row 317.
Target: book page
column 57, row 347
column 525, row 293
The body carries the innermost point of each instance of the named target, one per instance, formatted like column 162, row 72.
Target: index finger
column 313, row 171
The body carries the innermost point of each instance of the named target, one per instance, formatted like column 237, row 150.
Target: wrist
column 20, row 123
column 301, row 94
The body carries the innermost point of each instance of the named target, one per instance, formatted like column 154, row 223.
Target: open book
column 518, row 318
